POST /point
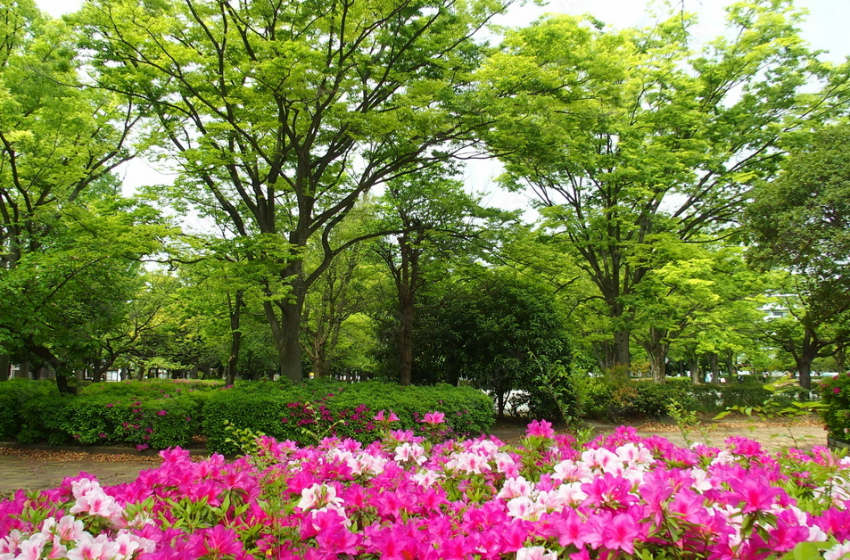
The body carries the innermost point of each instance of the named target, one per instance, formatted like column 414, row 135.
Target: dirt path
column 32, row 469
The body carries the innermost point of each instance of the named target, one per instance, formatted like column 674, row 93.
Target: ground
column 42, row 468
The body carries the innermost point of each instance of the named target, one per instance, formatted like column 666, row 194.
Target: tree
column 495, row 331
column 288, row 113
column 59, row 143
column 339, row 293
column 440, row 225
column 629, row 137
column 695, row 290
column 801, row 223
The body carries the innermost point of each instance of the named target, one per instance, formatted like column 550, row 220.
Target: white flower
column 838, row 551
column 515, row 488
column 535, row 553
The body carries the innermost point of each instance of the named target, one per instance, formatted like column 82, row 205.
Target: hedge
column 308, row 412
column 616, row 400
column 166, row 413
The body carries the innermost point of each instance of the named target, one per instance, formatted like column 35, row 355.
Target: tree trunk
column 289, row 348
column 405, row 341
column 804, row 367
column 97, row 371
column 657, row 350
column 193, row 373
column 623, row 352
column 235, row 339
column 840, row 357
column 59, row 368
column 693, row 366
column 730, row 365
column 140, row 374
column 5, row 367
column 286, row 331
column 714, row 364
column 24, row 372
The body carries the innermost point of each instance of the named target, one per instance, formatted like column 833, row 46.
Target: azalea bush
column 835, row 393
column 168, row 413
column 306, row 413
column 408, row 496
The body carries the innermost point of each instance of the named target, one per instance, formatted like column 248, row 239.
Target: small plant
column 564, row 386
column 243, row 438
column 688, row 422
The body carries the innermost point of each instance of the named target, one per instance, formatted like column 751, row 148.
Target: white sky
column 827, row 28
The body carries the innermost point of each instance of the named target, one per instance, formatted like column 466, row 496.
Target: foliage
column 635, row 141
column 162, row 413
column 497, row 331
column 14, row 395
column 799, row 224
column 835, row 394
column 304, row 413
column 281, row 118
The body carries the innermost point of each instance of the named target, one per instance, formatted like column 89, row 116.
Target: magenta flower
column 434, row 418
column 161, row 413
column 142, row 446
column 109, row 405
column 380, row 417
column 752, row 494
column 621, row 533
column 215, row 542
column 540, row 428
column 836, row 390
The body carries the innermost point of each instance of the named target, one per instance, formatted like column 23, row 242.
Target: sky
column 827, row 27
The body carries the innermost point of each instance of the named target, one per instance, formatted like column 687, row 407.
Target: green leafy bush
column 654, row 398
column 43, row 419
column 325, row 408
column 14, row 394
column 835, row 393
column 163, row 413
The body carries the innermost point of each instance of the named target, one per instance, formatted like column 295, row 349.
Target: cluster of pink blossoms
column 405, row 498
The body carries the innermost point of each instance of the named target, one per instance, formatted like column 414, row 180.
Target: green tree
column 695, row 290
column 342, row 290
column 494, row 330
column 439, row 226
column 59, row 143
column 288, row 113
column 800, row 223
column 630, row 137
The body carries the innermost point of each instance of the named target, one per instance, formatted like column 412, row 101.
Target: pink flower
column 216, row 542
column 380, row 417
column 540, row 428
column 434, row 418
column 142, row 446
column 109, row 405
column 836, row 390
column 161, row 413
column 752, row 494
column 621, row 532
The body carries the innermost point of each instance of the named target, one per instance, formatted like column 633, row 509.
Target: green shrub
column 654, row 398
column 44, row 419
column 14, row 393
column 324, row 408
column 835, row 393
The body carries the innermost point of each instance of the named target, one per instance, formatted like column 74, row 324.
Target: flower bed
column 409, row 497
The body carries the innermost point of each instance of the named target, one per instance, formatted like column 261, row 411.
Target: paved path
column 46, row 469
